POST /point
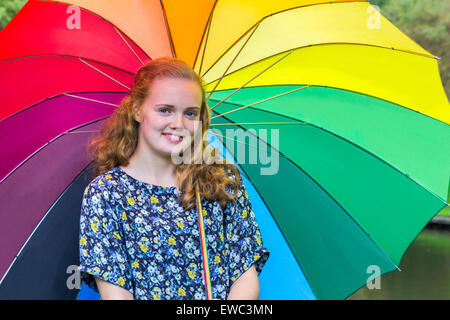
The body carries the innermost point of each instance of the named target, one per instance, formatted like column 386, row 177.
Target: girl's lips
column 171, row 138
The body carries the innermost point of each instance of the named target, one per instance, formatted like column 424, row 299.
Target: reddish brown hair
column 119, row 137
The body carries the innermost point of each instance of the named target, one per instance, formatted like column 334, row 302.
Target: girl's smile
column 169, row 113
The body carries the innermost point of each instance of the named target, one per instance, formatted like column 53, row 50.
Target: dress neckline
column 150, row 185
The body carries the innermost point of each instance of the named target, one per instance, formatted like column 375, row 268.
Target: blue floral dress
column 138, row 236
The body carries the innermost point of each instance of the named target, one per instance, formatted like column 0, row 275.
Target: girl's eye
column 190, row 113
column 193, row 113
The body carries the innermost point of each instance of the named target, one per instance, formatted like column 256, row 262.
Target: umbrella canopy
column 351, row 111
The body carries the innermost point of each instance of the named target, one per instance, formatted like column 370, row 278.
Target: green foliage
column 379, row 3
column 8, row 9
column 427, row 22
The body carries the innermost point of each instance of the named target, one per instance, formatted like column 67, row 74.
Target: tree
column 427, row 22
column 8, row 9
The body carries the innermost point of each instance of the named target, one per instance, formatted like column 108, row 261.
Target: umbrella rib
column 172, row 47
column 320, row 186
column 71, row 57
column 241, row 123
column 83, row 98
column 89, row 131
column 252, row 79
column 54, row 97
column 363, row 149
column 206, row 40
column 47, row 143
column 128, row 45
column 240, row 50
column 293, row 8
column 34, row 230
column 103, row 73
column 219, row 135
column 205, row 31
column 361, row 93
column 112, row 25
column 260, row 101
column 325, row 44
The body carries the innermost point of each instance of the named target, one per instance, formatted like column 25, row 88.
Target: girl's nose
column 177, row 121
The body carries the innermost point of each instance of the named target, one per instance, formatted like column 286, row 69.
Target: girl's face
column 172, row 107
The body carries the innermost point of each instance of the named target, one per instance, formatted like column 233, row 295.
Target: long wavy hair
column 118, row 139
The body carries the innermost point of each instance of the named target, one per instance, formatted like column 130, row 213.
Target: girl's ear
column 137, row 114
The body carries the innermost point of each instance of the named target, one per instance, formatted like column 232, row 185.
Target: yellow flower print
column 116, row 235
column 221, row 236
column 216, row 259
column 258, row 240
column 244, row 213
column 86, row 190
column 246, row 194
column 139, row 275
column 172, row 241
column 139, row 198
column 83, row 241
column 154, row 200
column 120, row 281
column 135, row 264
column 94, row 227
column 100, row 182
column 156, row 297
column 204, row 212
column 181, row 292
column 96, row 269
column 130, row 201
column 105, row 275
column 180, row 225
column 108, row 176
column 144, row 248
column 256, row 257
column 191, row 274
column 124, row 216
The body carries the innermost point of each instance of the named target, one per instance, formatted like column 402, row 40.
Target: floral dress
column 138, row 236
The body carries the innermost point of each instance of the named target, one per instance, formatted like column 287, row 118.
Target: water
column 425, row 272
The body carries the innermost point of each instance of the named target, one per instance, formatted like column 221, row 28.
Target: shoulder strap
column 206, row 273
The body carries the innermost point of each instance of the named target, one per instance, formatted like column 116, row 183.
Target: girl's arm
column 109, row 291
column 246, row 287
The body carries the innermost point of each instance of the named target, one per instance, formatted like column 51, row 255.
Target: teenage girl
column 139, row 227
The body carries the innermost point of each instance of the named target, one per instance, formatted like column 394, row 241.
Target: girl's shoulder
column 103, row 183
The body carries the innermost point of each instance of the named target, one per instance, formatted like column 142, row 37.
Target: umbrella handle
column 206, row 273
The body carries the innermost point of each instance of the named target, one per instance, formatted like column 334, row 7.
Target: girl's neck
column 152, row 170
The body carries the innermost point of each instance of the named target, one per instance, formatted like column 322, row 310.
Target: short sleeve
column 101, row 242
column 243, row 236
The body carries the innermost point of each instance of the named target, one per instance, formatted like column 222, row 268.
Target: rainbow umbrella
column 349, row 113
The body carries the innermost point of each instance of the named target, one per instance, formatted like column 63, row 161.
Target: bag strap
column 207, row 276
